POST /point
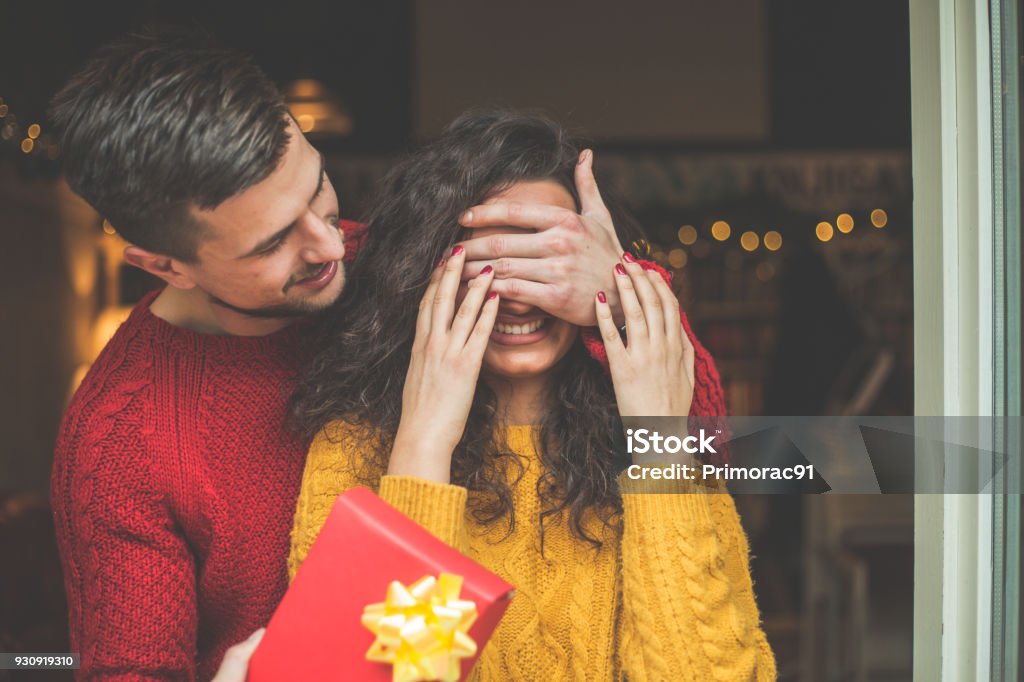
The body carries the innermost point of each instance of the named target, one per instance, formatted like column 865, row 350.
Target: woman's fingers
column 649, row 300
column 613, row 345
column 476, row 344
column 427, row 304
column 444, row 300
column 469, row 310
column 636, row 322
column 669, row 308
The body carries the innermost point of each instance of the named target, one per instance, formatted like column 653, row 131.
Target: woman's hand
column 443, row 371
column 653, row 371
column 235, row 665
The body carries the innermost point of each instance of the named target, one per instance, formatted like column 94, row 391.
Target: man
column 175, row 474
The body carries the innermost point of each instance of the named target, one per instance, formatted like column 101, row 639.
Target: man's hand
column 235, row 666
column 563, row 265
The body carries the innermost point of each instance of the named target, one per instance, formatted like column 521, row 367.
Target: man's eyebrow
column 282, row 233
column 323, row 174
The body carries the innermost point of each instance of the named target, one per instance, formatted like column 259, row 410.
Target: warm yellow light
column 34, row 130
column 824, row 231
column 658, row 256
column 3, row 110
column 687, row 234
column 677, row 258
column 845, row 223
column 765, row 272
column 720, row 230
column 306, row 122
column 772, row 240
column 108, row 228
column 27, row 145
column 749, row 241
column 879, row 218
column 642, row 248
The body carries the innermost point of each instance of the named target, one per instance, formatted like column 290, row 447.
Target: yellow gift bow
column 421, row 629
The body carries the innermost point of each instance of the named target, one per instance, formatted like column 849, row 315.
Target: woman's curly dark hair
column 367, row 339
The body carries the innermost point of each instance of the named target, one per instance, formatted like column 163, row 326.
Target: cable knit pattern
column 173, row 489
column 668, row 597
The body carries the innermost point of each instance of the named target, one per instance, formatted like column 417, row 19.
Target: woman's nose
column 514, row 308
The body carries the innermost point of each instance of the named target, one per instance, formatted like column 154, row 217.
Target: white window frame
column 951, row 118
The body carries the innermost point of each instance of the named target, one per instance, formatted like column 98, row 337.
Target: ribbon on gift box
column 422, row 630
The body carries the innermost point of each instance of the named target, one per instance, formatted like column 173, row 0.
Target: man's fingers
column 523, row 291
column 444, row 300
column 515, row 214
column 609, row 332
column 469, row 310
column 591, row 202
column 534, row 269
column 235, row 665
column 498, row 246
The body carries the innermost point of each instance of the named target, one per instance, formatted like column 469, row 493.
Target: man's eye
column 272, row 248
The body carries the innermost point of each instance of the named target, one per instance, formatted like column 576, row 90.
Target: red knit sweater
column 174, row 488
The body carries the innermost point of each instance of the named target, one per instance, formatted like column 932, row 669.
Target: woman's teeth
column 527, row 328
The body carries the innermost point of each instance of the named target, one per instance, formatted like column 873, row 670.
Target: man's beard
column 281, row 311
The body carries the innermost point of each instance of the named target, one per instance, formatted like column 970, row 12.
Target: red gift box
column 365, row 544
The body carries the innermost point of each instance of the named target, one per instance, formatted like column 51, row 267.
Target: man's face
column 275, row 249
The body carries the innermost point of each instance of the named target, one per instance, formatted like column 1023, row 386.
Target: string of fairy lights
column 30, row 139
column 34, row 142
column 751, row 241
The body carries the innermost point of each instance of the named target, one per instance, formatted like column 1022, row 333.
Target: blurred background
column 764, row 145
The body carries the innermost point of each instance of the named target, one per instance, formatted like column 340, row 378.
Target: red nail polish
column 493, row 295
column 487, row 270
column 628, row 257
column 601, row 297
column 457, row 250
column 619, row 269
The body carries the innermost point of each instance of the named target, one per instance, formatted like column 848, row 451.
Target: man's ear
column 164, row 267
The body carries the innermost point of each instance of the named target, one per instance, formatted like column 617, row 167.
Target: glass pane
column 1007, row 258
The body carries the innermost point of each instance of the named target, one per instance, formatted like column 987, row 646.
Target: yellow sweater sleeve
column 688, row 607
column 438, row 507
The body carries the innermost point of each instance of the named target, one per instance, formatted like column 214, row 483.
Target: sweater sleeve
column 128, row 572
column 688, row 600
column 329, row 471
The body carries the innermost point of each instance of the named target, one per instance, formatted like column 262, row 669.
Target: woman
column 488, row 423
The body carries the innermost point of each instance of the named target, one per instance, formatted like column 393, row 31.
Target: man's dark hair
column 162, row 121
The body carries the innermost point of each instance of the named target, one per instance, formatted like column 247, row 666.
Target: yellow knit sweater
column 669, row 597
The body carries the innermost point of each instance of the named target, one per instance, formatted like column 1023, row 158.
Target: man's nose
column 324, row 242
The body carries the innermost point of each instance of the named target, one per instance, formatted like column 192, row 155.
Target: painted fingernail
column 457, row 250
column 493, row 295
column 601, row 297
column 628, row 257
column 487, row 270
column 619, row 269
column 584, row 155
column 467, row 216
